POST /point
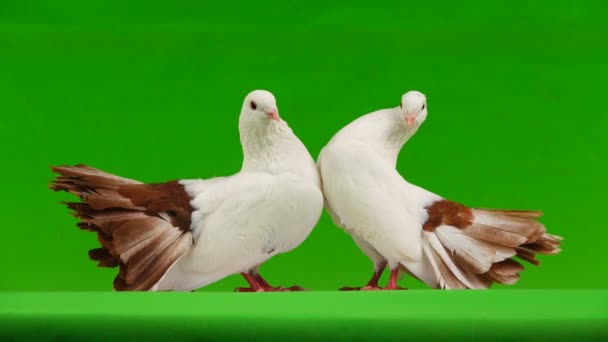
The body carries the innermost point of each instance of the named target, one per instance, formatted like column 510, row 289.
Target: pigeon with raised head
column 183, row 235
column 444, row 244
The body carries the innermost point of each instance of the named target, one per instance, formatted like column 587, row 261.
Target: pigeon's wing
column 142, row 228
column 473, row 248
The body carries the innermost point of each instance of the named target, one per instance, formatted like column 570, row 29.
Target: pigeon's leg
column 372, row 284
column 392, row 282
column 259, row 284
column 268, row 287
column 253, row 283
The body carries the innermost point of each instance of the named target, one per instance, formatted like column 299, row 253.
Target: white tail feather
column 475, row 253
column 429, row 254
column 438, row 247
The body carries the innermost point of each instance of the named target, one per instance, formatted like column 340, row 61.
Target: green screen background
column 516, row 94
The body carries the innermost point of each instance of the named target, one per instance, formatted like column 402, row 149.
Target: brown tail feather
column 537, row 240
column 525, row 214
column 493, row 239
column 524, row 224
column 88, row 176
column 130, row 220
column 104, row 257
column 505, row 272
column 97, row 188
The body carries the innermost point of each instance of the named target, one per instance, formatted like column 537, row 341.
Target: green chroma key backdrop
column 516, row 96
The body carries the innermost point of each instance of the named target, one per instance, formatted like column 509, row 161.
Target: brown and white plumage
column 412, row 230
column 142, row 228
column 186, row 234
column 481, row 244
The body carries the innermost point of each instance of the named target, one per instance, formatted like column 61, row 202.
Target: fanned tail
column 134, row 231
column 474, row 248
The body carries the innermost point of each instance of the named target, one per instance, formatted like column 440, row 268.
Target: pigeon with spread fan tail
column 183, row 235
column 443, row 243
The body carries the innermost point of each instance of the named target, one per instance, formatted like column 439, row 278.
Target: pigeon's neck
column 272, row 147
column 386, row 132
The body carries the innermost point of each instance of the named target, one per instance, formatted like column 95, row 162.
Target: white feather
column 438, row 247
column 269, row 207
column 428, row 252
column 475, row 252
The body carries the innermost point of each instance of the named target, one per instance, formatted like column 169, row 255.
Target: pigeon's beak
column 272, row 113
column 409, row 120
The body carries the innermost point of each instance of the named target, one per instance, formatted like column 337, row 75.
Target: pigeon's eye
column 401, row 105
column 253, row 105
column 423, row 106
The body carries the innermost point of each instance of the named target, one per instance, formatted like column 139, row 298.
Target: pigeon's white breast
column 244, row 220
column 368, row 196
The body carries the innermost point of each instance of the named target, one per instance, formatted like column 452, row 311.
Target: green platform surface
column 523, row 315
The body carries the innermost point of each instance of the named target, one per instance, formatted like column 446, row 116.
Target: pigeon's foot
column 392, row 281
column 364, row 288
column 258, row 284
column 371, row 288
column 283, row 289
column 294, row 288
column 269, row 289
column 279, row 288
column 255, row 286
column 372, row 285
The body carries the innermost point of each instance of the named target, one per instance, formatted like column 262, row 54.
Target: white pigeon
column 183, row 235
column 445, row 244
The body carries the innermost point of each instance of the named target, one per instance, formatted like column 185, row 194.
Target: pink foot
column 258, row 284
column 292, row 288
column 283, row 289
column 269, row 289
column 370, row 288
column 364, row 288
column 373, row 283
column 392, row 282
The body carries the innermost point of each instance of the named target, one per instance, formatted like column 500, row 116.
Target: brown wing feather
column 142, row 228
column 169, row 197
column 509, row 232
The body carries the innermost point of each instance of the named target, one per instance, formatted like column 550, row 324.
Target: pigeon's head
column 413, row 108
column 259, row 107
